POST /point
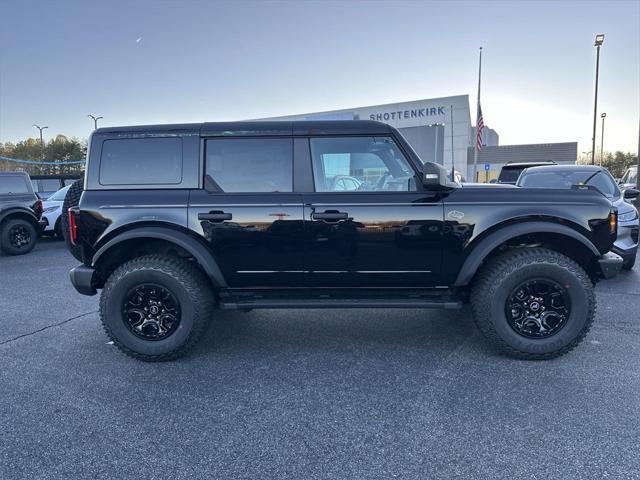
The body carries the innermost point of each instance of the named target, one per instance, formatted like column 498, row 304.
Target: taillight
column 37, row 208
column 73, row 227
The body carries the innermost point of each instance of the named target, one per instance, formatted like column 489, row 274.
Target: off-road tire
column 57, row 229
column 184, row 279
column 71, row 199
column 628, row 265
column 503, row 273
column 5, row 243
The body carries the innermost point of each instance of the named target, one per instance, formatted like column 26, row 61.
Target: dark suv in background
column 173, row 221
column 20, row 212
column 511, row 171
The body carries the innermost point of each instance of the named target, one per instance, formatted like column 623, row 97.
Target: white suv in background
column 52, row 210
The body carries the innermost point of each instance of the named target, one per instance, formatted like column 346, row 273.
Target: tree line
column 57, row 150
column 616, row 162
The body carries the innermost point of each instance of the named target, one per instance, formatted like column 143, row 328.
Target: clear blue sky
column 188, row 61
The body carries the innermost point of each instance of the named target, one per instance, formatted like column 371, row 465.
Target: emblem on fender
column 455, row 214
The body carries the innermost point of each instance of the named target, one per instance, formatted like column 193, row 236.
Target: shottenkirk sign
column 413, row 113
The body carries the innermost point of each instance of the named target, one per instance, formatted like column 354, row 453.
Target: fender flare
column 181, row 239
column 21, row 210
column 488, row 244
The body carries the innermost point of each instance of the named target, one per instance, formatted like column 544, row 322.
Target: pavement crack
column 47, row 327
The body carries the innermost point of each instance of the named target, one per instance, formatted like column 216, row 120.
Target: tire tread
column 494, row 273
column 193, row 280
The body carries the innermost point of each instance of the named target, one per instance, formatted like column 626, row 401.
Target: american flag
column 479, row 128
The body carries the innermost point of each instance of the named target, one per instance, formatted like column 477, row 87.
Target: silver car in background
column 573, row 176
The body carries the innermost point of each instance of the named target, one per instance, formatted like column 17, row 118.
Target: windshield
column 601, row 179
column 630, row 176
column 59, row 195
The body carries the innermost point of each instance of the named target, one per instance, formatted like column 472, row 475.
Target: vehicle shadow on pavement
column 366, row 332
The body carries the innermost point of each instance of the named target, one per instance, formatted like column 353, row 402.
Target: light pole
column 95, row 121
column 598, row 43
column 41, row 140
column 602, row 116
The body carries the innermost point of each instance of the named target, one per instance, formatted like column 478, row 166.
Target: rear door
column 367, row 223
column 248, row 212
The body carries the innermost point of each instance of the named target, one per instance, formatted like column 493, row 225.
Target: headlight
column 51, row 209
column 624, row 217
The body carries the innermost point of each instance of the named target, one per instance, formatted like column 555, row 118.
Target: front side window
column 141, row 161
column 248, row 165
column 360, row 164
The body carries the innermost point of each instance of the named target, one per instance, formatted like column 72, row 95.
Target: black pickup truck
column 174, row 221
column 20, row 214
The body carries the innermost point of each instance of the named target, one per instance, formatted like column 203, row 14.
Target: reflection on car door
column 383, row 234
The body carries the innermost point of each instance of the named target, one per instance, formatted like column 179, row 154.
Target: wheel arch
column 154, row 239
column 559, row 237
column 19, row 212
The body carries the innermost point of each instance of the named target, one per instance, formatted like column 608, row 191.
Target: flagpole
column 475, row 140
column 453, row 164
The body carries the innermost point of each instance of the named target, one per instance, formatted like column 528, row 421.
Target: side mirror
column 434, row 177
column 631, row 193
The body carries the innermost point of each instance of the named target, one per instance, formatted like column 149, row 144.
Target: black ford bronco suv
column 20, row 214
column 175, row 221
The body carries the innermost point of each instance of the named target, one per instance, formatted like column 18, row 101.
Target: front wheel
column 156, row 307
column 533, row 304
column 628, row 265
column 17, row 237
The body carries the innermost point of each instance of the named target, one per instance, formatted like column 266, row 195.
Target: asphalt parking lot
column 357, row 394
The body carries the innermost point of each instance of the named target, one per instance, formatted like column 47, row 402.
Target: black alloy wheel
column 19, row 236
column 151, row 311
column 538, row 308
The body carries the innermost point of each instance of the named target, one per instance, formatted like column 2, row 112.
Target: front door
column 248, row 213
column 367, row 224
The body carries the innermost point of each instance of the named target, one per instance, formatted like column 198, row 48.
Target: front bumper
column 82, row 278
column 627, row 242
column 609, row 264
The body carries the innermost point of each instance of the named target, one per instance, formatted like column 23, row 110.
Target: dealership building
column 440, row 130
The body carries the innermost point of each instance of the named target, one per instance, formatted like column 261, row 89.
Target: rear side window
column 141, row 161
column 246, row 165
column 13, row 184
column 509, row 175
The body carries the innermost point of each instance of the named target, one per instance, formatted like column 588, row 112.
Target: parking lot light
column 95, row 120
column 599, row 41
column 602, row 116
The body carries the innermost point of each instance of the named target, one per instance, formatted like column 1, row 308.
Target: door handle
column 215, row 216
column 330, row 216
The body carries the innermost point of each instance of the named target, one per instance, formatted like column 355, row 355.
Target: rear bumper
column 609, row 264
column 82, row 279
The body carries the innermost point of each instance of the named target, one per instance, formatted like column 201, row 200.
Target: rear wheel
column 71, row 199
column 17, row 237
column 156, row 307
column 533, row 304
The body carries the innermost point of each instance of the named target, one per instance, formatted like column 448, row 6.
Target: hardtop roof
column 261, row 128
